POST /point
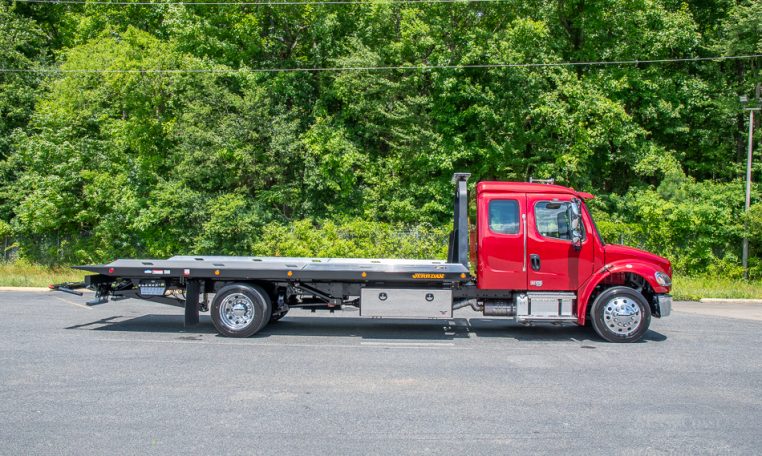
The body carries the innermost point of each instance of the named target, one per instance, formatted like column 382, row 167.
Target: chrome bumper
column 663, row 305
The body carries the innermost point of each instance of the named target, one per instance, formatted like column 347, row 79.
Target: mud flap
column 192, row 294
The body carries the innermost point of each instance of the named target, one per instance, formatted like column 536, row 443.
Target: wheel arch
column 639, row 276
column 269, row 286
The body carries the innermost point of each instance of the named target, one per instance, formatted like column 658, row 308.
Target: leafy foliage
column 95, row 165
column 697, row 225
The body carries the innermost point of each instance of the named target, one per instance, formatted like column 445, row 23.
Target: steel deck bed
column 285, row 268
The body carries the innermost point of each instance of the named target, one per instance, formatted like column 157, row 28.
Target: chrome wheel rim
column 622, row 316
column 237, row 311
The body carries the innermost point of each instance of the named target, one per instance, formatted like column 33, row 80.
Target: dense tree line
column 220, row 157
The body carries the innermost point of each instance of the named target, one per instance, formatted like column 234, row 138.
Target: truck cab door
column 554, row 263
column 501, row 233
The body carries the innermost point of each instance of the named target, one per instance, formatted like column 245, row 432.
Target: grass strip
column 694, row 288
column 23, row 274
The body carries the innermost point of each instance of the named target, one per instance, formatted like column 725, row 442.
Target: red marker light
column 110, row 270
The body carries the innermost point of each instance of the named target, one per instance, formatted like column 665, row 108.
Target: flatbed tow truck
column 538, row 254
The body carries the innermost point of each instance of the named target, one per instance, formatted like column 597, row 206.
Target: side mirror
column 575, row 222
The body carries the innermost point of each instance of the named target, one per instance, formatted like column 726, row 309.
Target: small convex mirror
column 575, row 222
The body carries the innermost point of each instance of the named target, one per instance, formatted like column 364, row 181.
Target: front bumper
column 663, row 305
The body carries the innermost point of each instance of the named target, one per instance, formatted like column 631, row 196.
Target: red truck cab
column 541, row 238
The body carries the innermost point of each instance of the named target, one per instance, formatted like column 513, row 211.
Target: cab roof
column 527, row 187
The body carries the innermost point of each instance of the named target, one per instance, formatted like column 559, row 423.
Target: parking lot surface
column 127, row 378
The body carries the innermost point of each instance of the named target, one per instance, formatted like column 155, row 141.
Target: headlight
column 663, row 279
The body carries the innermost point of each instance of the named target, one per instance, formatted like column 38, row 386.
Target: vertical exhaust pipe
column 458, row 248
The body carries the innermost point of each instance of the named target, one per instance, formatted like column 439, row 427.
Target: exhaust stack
column 458, row 248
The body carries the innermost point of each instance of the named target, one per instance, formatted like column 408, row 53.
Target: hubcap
column 622, row 316
column 237, row 311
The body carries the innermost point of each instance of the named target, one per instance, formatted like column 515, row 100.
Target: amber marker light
column 290, row 273
column 462, row 275
column 217, row 272
column 364, row 274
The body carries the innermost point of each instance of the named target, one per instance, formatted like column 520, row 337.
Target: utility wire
column 381, row 68
column 254, row 3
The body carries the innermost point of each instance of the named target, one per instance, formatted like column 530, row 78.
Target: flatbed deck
column 285, row 268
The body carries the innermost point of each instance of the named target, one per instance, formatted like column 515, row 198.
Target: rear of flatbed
column 272, row 285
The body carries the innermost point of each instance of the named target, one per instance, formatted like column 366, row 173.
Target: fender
column 644, row 270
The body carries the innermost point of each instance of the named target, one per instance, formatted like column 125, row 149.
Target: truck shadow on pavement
column 365, row 329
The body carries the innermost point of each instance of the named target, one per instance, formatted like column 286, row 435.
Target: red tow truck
column 538, row 259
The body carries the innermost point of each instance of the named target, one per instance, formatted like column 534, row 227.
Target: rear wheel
column 620, row 314
column 240, row 310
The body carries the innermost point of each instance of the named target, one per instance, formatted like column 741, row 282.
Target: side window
column 504, row 216
column 552, row 218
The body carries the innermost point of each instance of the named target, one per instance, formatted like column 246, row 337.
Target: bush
column 352, row 238
column 699, row 226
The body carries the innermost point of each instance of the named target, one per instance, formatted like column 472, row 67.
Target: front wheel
column 240, row 310
column 620, row 314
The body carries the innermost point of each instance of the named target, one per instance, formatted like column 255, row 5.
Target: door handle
column 535, row 260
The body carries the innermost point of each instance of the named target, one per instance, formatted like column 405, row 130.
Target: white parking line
column 254, row 344
column 73, row 303
column 410, row 344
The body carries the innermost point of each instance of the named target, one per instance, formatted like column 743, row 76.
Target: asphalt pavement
column 127, row 378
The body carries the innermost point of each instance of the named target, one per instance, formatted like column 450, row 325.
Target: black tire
column 620, row 314
column 277, row 316
column 240, row 310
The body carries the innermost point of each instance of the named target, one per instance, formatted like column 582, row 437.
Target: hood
column 616, row 252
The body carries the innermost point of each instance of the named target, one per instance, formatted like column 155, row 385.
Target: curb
column 729, row 301
column 30, row 289
column 35, row 289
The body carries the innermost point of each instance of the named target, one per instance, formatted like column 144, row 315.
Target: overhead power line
column 251, row 3
column 380, row 68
